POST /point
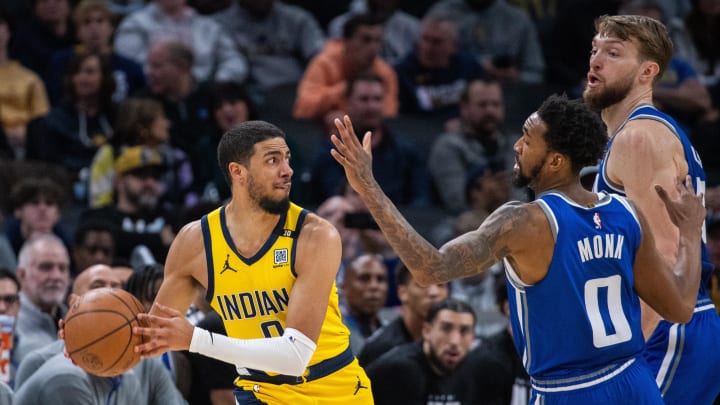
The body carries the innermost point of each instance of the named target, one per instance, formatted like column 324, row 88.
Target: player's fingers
column 167, row 310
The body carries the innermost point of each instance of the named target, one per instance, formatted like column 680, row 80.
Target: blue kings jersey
column 695, row 171
column 583, row 319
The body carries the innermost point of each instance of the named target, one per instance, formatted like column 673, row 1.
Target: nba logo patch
column 597, row 221
column 281, row 256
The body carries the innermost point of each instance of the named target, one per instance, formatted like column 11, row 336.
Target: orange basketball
column 98, row 331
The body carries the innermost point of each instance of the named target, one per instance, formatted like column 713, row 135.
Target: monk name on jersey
column 599, row 247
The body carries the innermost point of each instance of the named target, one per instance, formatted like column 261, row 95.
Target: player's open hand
column 687, row 210
column 167, row 329
column 355, row 158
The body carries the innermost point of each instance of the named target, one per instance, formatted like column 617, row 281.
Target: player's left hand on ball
column 165, row 329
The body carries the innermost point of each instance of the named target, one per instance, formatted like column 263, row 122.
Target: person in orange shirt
column 323, row 88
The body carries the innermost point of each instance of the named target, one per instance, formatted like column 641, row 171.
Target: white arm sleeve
column 288, row 354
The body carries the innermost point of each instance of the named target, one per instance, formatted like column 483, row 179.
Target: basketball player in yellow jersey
column 269, row 268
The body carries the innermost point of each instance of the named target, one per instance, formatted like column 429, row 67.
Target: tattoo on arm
column 464, row 256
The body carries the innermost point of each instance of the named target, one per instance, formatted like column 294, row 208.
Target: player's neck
column 616, row 114
column 249, row 224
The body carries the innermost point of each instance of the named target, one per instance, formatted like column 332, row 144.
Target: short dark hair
column 142, row 281
column 238, row 144
column 450, row 304
column 9, row 274
column 32, row 189
column 573, row 130
column 92, row 225
column 354, row 23
column 364, row 77
column 179, row 54
column 402, row 274
column 231, row 91
column 465, row 93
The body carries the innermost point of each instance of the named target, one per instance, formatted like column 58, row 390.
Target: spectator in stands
column 94, row 243
column 22, row 96
column 508, row 48
column 9, row 308
column 36, row 206
column 94, row 30
column 429, row 371
column 142, row 122
column 415, row 301
column 184, row 99
column 72, row 132
column 324, row 86
column 216, row 57
column 44, row 274
column 433, row 75
column 363, row 291
column 137, row 214
column 396, row 164
column 47, row 375
column 46, row 30
column 479, row 141
column 358, row 238
column 400, row 28
column 278, row 39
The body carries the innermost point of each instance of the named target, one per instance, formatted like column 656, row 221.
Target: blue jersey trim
column 208, row 258
column 260, row 253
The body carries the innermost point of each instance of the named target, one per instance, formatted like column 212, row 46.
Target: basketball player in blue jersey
column 647, row 147
column 576, row 261
column 269, row 268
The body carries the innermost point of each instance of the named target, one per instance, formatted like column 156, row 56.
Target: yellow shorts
column 348, row 385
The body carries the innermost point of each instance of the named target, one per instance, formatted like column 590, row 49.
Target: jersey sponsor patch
column 281, row 256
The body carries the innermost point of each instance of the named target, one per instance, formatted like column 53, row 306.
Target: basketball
column 98, row 331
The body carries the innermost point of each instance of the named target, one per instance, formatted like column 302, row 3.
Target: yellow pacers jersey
column 252, row 294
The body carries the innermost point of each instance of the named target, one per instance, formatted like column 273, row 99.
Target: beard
column 267, row 204
column 521, row 180
column 600, row 99
column 436, row 361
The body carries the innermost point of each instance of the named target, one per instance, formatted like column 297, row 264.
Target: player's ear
column 237, row 170
column 649, row 71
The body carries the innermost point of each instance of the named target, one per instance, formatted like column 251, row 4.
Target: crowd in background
column 111, row 112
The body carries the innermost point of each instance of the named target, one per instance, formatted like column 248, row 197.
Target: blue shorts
column 633, row 385
column 684, row 357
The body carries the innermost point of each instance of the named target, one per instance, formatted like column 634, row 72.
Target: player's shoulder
column 315, row 226
column 643, row 136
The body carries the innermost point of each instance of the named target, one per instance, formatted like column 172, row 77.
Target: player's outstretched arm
column 672, row 290
column 464, row 256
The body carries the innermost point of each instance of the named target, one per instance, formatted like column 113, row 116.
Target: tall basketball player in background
column 647, row 147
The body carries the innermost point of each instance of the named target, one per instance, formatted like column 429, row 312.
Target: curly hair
column 573, row 130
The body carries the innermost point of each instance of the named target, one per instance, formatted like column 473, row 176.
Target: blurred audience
column 44, row 274
column 93, row 243
column 216, row 57
column 94, row 30
column 363, row 290
column 400, row 28
column 479, row 141
column 415, row 300
column 325, row 84
column 396, row 163
column 435, row 72
column 22, row 95
column 501, row 36
column 278, row 39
